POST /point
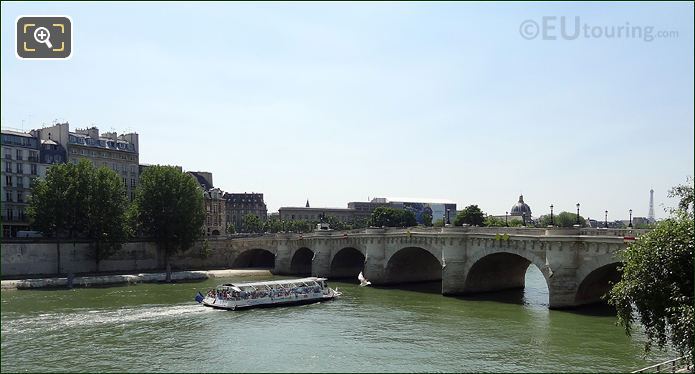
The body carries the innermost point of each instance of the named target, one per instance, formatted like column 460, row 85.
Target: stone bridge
column 577, row 264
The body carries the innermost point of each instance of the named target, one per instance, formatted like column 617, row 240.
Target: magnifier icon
column 42, row 35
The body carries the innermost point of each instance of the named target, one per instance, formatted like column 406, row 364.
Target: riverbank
column 98, row 280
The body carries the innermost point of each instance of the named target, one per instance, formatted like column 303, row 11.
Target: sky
column 339, row 102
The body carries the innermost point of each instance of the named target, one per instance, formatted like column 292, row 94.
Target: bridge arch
column 595, row 278
column 301, row 261
column 347, row 263
column 413, row 264
column 254, row 258
column 500, row 269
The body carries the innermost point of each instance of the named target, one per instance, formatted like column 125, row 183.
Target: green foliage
column 471, row 215
column 438, row 223
column 657, row 285
column 567, row 219
column 169, row 208
column 427, row 219
column 250, row 223
column 392, row 217
column 79, row 201
column 515, row 222
column 685, row 195
column 231, row 229
column 272, row 224
column 491, row 221
column 205, row 250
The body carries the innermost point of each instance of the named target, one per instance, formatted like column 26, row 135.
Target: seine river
column 159, row 327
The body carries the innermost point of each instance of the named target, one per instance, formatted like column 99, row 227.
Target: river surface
column 159, row 327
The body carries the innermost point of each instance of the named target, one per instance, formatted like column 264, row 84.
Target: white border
column 72, row 38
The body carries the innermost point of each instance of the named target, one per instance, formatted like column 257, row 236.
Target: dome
column 520, row 208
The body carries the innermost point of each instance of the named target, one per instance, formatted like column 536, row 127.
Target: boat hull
column 265, row 303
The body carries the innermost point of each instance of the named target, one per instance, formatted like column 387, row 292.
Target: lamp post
column 552, row 223
column 577, row 214
column 606, row 222
column 630, row 225
column 447, row 217
column 505, row 218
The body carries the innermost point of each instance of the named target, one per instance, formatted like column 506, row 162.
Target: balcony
column 33, row 159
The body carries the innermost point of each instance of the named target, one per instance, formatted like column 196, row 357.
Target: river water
column 159, row 327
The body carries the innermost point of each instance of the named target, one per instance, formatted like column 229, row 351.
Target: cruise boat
column 233, row 296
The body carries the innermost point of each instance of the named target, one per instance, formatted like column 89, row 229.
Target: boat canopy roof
column 282, row 282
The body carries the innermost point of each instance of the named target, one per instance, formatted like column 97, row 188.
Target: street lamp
column 577, row 214
column 447, row 217
column 505, row 218
column 606, row 223
column 630, row 225
column 552, row 223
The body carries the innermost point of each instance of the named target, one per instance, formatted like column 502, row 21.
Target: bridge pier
column 282, row 258
column 374, row 266
column 321, row 263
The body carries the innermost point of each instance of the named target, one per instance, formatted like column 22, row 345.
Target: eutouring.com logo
column 572, row 28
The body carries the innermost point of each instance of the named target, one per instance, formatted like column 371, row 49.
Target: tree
column 567, row 219
column 78, row 201
column 169, row 208
column 392, row 217
column 492, row 221
column 471, row 215
column 439, row 222
column 427, row 219
column 656, row 286
column 107, row 227
column 250, row 223
column 231, row 229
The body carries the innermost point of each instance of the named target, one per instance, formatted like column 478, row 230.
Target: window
column 8, row 180
column 20, row 197
column 125, row 182
column 8, row 167
column 33, row 156
column 20, row 154
column 34, row 169
column 132, row 182
column 58, row 158
column 9, row 214
column 20, row 182
column 20, row 168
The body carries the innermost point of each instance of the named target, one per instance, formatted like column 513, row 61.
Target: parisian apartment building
column 109, row 149
column 22, row 163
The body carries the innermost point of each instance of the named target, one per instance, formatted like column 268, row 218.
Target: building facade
column 240, row 204
column 215, row 212
column 314, row 214
column 21, row 165
column 436, row 208
column 215, row 209
column 118, row 152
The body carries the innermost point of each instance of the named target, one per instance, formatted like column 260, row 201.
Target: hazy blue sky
column 341, row 102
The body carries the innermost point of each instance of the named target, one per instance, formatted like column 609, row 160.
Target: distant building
column 215, row 207
column 436, row 208
column 118, row 152
column 240, row 204
column 22, row 164
column 521, row 210
column 215, row 212
column 314, row 214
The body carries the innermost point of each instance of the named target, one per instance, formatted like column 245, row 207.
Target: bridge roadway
column 578, row 264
